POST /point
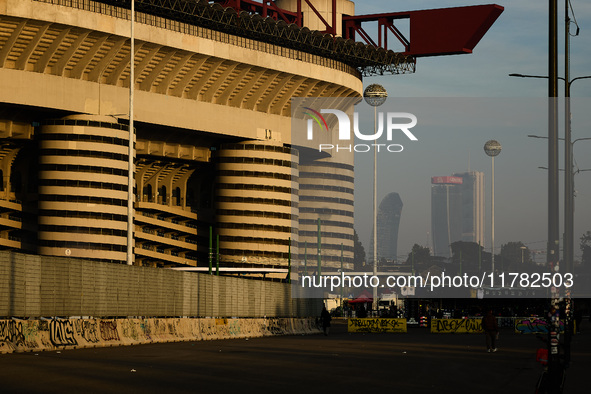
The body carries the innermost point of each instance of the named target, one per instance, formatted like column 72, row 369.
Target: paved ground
column 416, row 362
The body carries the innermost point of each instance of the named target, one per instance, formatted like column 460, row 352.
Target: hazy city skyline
column 516, row 43
column 456, row 145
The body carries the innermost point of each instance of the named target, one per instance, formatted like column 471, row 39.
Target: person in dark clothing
column 491, row 330
column 578, row 318
column 325, row 318
column 362, row 313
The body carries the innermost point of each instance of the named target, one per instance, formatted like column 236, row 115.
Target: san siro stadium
column 216, row 178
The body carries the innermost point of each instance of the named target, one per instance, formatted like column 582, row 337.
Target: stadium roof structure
column 434, row 32
column 368, row 59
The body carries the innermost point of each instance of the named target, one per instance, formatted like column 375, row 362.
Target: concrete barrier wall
column 55, row 334
column 33, row 286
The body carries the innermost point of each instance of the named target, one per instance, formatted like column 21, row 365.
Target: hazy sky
column 463, row 101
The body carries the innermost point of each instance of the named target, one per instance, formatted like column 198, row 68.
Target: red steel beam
column 438, row 32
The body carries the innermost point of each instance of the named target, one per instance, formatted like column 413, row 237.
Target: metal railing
column 198, row 31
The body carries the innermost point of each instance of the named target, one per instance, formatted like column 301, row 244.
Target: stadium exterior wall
column 65, row 77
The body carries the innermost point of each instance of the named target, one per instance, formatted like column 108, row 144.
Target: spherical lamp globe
column 375, row 95
column 492, row 148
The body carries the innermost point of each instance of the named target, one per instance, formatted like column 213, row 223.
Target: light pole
column 553, row 231
column 568, row 240
column 568, row 253
column 492, row 149
column 130, row 147
column 375, row 95
column 572, row 190
column 553, row 243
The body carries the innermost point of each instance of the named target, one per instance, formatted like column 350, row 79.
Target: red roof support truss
column 437, row 32
column 352, row 26
column 444, row 31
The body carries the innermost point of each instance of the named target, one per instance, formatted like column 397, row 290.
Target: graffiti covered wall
column 36, row 335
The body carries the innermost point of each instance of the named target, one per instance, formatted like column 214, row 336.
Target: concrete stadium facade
column 213, row 140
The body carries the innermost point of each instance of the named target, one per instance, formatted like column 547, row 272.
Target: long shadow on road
column 417, row 362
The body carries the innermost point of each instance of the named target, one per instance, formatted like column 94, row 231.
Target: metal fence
column 204, row 32
column 41, row 286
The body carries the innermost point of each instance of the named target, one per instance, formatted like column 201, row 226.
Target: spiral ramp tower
column 256, row 202
column 82, row 187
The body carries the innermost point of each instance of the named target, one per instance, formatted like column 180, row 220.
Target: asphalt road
column 416, row 362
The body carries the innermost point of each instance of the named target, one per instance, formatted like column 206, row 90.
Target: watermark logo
column 318, row 118
column 394, row 122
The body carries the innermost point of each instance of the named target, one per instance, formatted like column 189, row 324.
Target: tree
column 512, row 254
column 358, row 253
column 467, row 256
column 419, row 258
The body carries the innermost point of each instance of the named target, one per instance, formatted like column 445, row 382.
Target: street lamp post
column 569, row 186
column 375, row 95
column 553, row 231
column 570, row 211
column 553, row 228
column 492, row 149
column 568, row 252
column 130, row 147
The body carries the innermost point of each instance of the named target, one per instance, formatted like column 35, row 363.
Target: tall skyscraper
column 446, row 207
column 457, row 210
column 388, row 223
column 472, row 206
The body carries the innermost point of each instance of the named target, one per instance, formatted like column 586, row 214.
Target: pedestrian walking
column 325, row 318
column 491, row 331
column 578, row 318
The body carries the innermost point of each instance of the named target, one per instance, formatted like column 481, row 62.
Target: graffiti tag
column 456, row 326
column 533, row 325
column 377, row 325
column 61, row 333
column 109, row 330
column 87, row 329
column 11, row 331
column 234, row 328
